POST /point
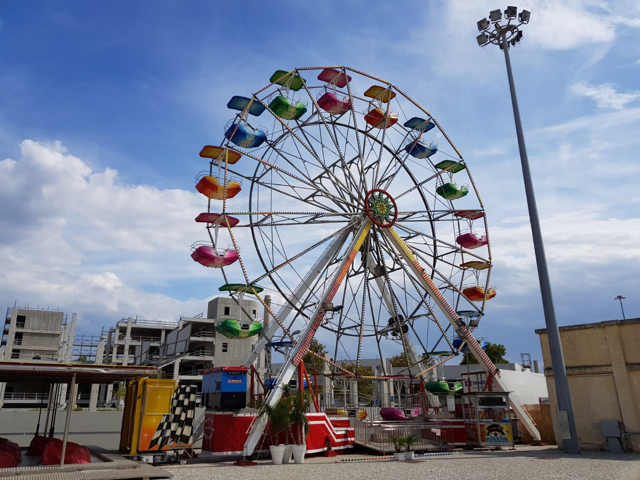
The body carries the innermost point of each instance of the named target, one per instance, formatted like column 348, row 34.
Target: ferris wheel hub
column 381, row 208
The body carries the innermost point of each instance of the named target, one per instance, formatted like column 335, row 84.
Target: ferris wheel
column 361, row 214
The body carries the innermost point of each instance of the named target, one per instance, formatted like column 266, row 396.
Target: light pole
column 620, row 297
column 505, row 36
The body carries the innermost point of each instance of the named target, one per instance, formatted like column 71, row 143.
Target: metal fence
column 378, row 435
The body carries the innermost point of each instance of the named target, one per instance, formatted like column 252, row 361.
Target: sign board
column 476, row 382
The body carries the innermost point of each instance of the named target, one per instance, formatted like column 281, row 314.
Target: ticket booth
column 487, row 419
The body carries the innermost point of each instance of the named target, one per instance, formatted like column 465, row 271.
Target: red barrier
column 36, row 447
column 12, row 448
column 74, row 454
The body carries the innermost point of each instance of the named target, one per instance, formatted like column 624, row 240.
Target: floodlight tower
column 505, row 35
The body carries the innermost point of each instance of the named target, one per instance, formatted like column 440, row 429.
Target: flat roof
column 581, row 326
column 27, row 372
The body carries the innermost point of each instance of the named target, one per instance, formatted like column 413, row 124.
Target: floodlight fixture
column 483, row 24
column 511, row 12
column 474, row 322
column 524, row 16
column 482, row 39
column 495, row 15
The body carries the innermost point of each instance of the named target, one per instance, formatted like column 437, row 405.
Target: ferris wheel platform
column 225, row 433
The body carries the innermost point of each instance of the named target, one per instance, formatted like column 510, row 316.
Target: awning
column 28, row 372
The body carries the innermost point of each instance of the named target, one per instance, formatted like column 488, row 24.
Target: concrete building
column 603, row 370
column 34, row 335
column 204, row 347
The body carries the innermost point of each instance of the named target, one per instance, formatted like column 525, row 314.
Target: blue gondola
column 245, row 137
column 421, row 150
column 419, row 124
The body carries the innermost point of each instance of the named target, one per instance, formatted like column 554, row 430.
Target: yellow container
column 158, row 416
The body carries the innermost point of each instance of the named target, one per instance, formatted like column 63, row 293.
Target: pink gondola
column 471, row 240
column 392, row 414
column 224, row 220
column 332, row 75
column 330, row 103
column 208, row 257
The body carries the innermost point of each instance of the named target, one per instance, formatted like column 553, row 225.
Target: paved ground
column 525, row 463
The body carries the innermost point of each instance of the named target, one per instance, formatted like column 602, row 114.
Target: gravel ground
column 525, row 463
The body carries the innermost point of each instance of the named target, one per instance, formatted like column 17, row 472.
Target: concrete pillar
column 95, row 388
column 114, row 345
column 353, row 392
column 266, row 321
column 70, row 335
column 176, row 370
column 127, row 340
column 623, row 385
column 162, row 336
column 327, row 384
column 536, row 367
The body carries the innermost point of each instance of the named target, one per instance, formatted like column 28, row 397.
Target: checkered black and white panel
column 177, row 427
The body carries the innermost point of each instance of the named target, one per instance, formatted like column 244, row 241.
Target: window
column 21, row 320
column 227, row 310
column 255, row 313
column 225, row 347
column 15, row 354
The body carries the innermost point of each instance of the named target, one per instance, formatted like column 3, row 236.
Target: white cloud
column 84, row 241
column 491, row 151
column 604, row 95
column 603, row 121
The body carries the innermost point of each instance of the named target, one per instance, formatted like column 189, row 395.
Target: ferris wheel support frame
column 485, row 362
column 411, row 350
column 300, row 291
column 294, row 358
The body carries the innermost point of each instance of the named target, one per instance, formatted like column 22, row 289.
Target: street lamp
column 620, row 297
column 505, row 35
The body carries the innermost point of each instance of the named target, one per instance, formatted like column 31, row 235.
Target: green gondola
column 287, row 110
column 296, row 83
column 240, row 287
column 455, row 166
column 233, row 329
column 451, row 191
column 443, row 388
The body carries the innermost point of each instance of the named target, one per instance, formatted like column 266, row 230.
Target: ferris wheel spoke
column 333, row 136
column 280, row 171
column 306, row 147
column 453, row 247
column 384, row 135
column 387, row 293
column 339, row 201
column 424, row 182
column 298, row 255
column 423, row 298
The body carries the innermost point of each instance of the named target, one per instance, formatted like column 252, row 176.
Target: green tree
column 82, row 359
column 365, row 387
column 399, row 360
column 312, row 362
column 494, row 351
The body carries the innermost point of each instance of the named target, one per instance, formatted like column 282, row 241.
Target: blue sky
column 105, row 106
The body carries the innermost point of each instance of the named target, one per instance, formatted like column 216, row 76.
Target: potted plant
column 398, row 444
column 300, row 405
column 409, row 441
column 278, row 416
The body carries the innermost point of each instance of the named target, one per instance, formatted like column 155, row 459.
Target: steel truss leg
column 488, row 366
column 296, row 354
column 299, row 293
